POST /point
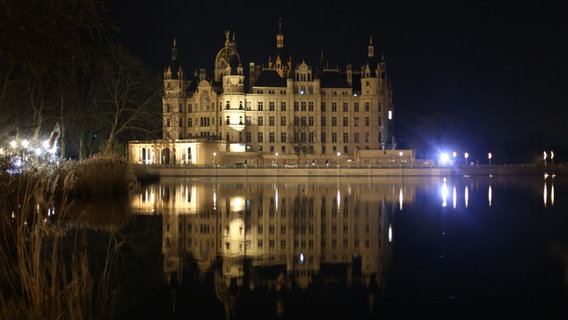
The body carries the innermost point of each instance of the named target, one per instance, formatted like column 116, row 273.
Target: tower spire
column 280, row 36
column 371, row 48
column 174, row 51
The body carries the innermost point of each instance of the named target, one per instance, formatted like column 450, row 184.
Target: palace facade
column 281, row 113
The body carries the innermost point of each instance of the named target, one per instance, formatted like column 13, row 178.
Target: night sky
column 498, row 67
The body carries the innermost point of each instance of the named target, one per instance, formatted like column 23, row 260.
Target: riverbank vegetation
column 51, row 264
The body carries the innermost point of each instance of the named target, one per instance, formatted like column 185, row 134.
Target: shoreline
column 355, row 172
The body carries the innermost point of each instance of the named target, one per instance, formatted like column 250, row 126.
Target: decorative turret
column 174, row 70
column 279, row 62
column 174, row 93
column 228, row 61
column 370, row 72
column 173, row 74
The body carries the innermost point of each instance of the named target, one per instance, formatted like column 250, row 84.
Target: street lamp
column 400, row 154
column 276, row 162
column 25, row 145
column 489, row 156
column 466, row 155
column 338, row 155
column 277, row 167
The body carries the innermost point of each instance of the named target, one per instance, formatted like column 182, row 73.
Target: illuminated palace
column 282, row 111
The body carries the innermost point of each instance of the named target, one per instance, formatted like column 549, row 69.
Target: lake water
column 349, row 248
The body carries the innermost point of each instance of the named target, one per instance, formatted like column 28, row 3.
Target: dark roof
column 270, row 78
column 356, row 83
column 333, row 79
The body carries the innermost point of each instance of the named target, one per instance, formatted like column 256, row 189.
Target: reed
column 49, row 268
column 98, row 175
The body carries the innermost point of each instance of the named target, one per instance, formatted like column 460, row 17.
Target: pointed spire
column 234, row 44
column 280, row 36
column 227, row 37
column 174, row 51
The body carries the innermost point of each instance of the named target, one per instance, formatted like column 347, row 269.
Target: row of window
column 298, row 121
column 308, row 137
column 306, row 90
column 303, row 244
column 298, row 106
column 311, row 149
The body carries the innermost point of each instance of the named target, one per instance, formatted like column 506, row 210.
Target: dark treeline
column 60, row 64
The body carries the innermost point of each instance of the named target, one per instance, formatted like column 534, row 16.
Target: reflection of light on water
column 234, row 237
column 544, row 194
column 552, row 194
column 276, row 199
column 338, row 199
column 444, row 193
column 237, row 204
column 490, row 195
column 454, row 193
column 400, row 198
column 148, row 197
column 214, row 199
column 390, row 232
column 466, row 196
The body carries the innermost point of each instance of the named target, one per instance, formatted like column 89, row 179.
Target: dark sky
column 500, row 67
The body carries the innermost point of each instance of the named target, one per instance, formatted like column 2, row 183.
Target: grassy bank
column 50, row 267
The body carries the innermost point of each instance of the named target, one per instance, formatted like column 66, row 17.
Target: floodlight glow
column 444, row 158
column 50, row 150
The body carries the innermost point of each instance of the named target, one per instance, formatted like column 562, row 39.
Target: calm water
column 349, row 248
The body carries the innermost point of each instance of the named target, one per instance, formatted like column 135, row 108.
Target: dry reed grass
column 46, row 273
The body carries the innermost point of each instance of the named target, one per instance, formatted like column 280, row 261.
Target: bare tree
column 299, row 140
column 131, row 106
column 49, row 47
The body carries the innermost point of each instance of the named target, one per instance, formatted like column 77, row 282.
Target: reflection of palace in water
column 299, row 232
column 296, row 227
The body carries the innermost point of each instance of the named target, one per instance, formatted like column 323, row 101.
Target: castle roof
column 270, row 78
column 332, row 79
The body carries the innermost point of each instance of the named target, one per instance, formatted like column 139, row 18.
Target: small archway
column 165, row 156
